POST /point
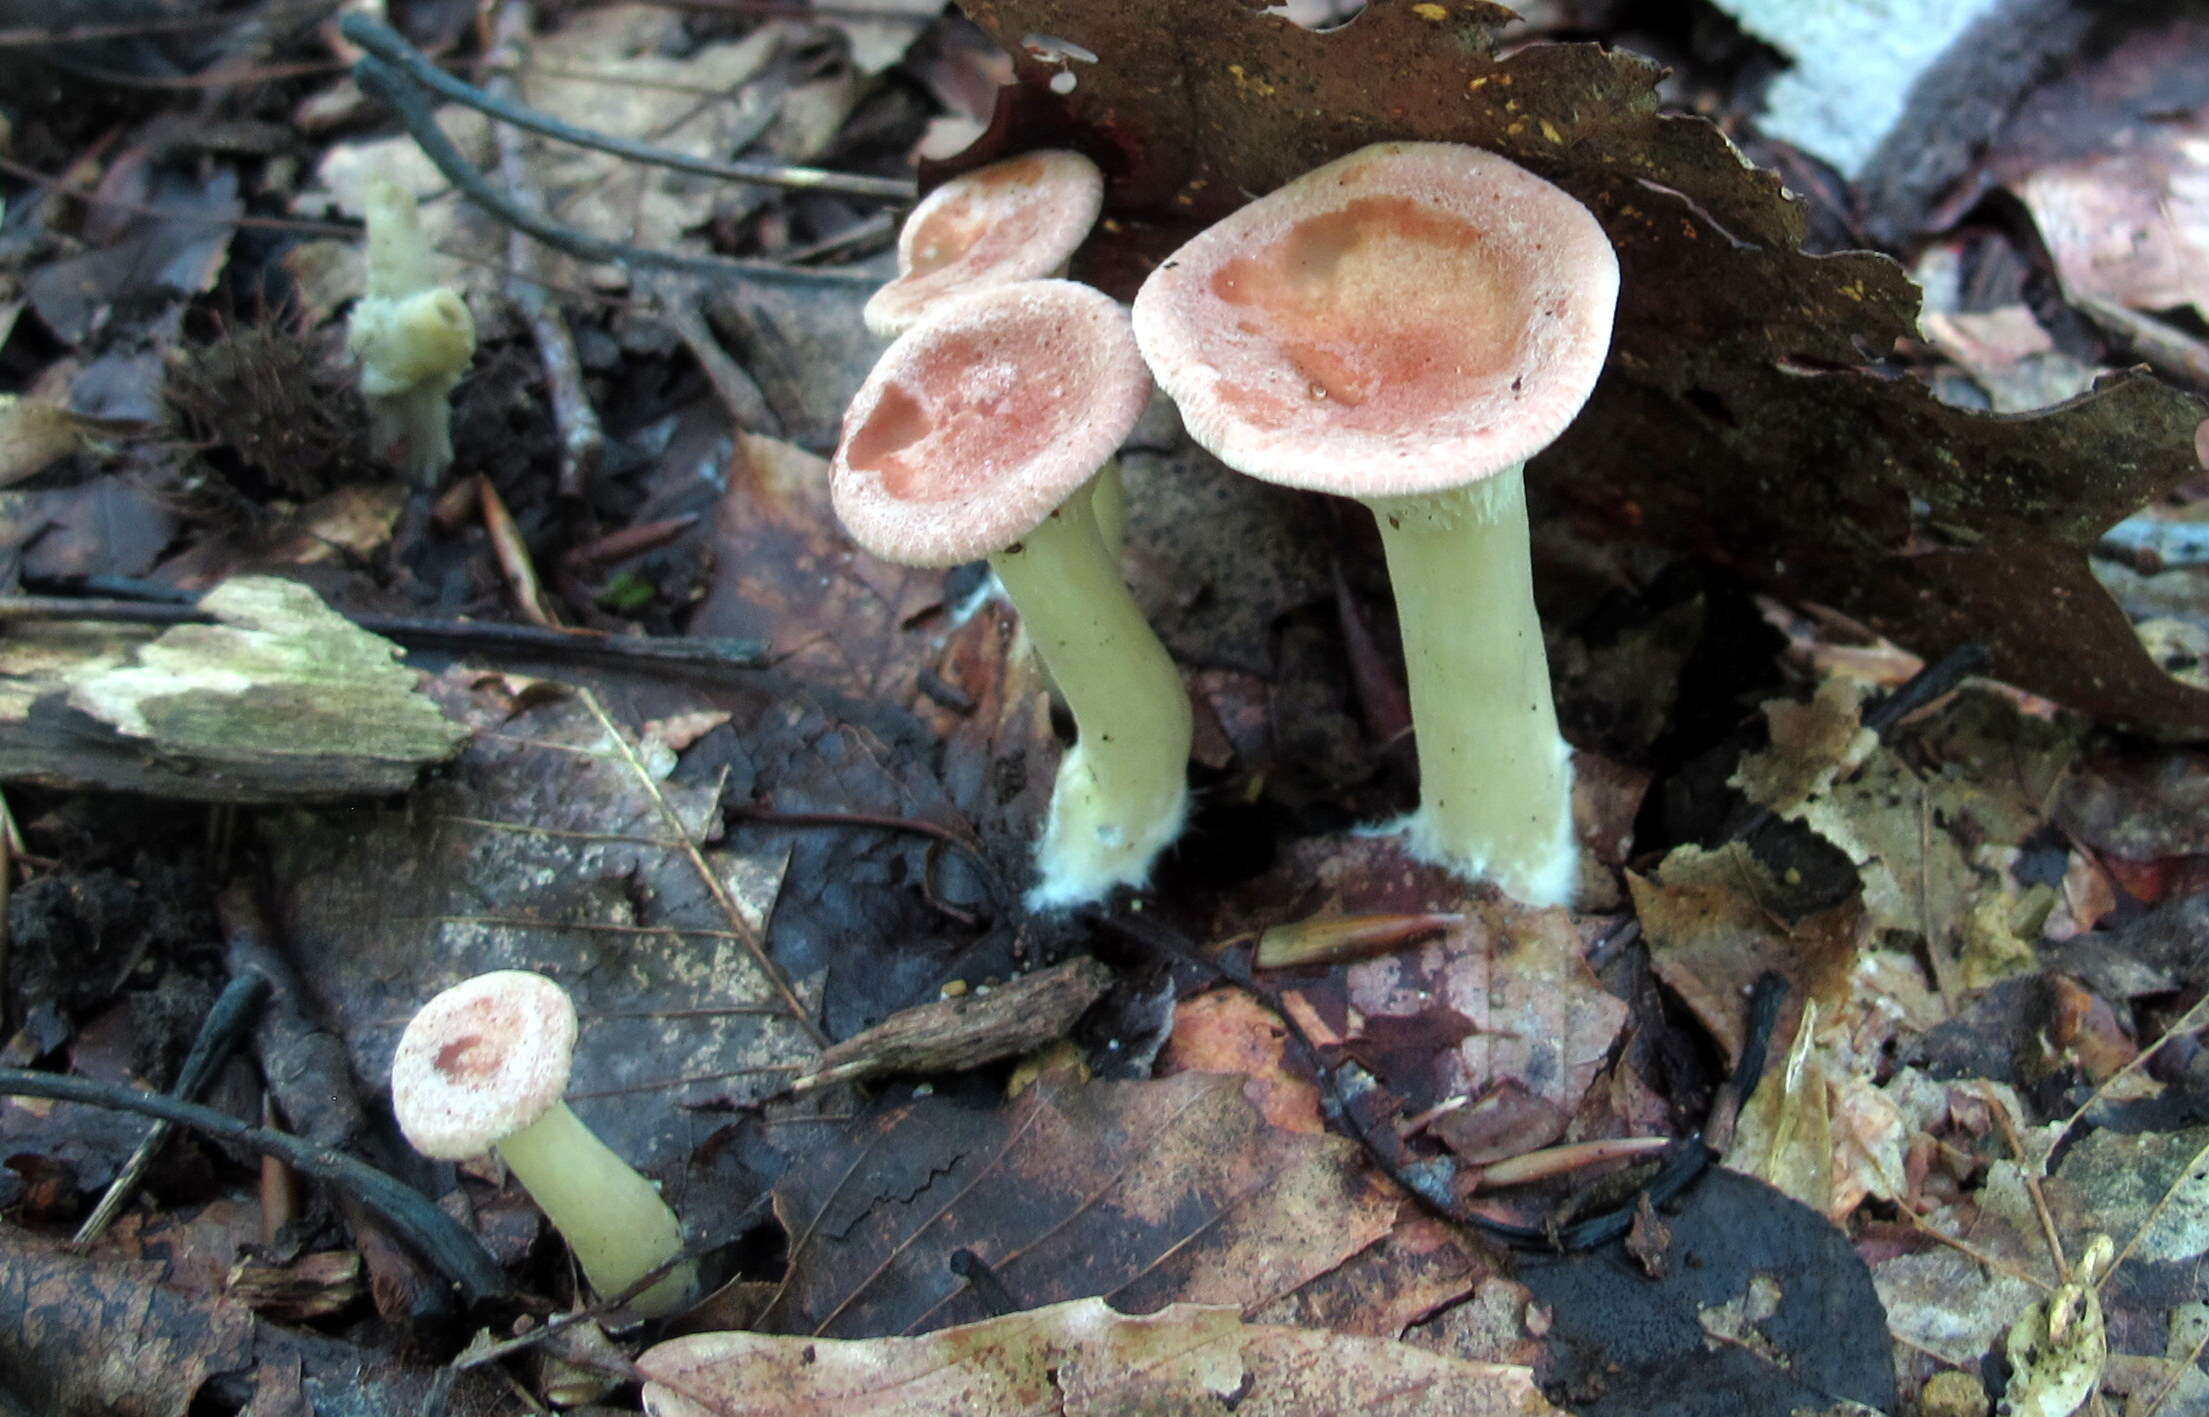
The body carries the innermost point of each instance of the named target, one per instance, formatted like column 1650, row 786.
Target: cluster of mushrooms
column 1405, row 326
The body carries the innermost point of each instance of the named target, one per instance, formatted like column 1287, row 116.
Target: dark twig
column 1343, row 1087
column 218, row 1034
column 582, row 439
column 460, row 636
column 380, row 81
column 769, row 816
column 433, row 1235
column 416, row 70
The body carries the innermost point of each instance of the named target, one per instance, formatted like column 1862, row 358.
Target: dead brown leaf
column 1744, row 373
column 2112, row 159
column 545, row 848
column 1081, row 1359
column 83, row 1338
column 1146, row 1193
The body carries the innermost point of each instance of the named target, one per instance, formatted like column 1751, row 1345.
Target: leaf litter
column 1957, row 906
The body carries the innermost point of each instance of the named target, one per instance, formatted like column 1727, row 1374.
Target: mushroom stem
column 611, row 1216
column 1122, row 790
column 1108, row 498
column 1495, row 776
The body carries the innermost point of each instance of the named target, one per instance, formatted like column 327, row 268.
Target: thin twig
column 380, row 81
column 582, row 439
column 433, row 1235
column 406, row 61
column 218, row 1035
column 415, row 632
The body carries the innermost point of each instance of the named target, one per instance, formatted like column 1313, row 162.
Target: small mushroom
column 1014, row 220
column 412, row 337
column 482, row 1066
column 1407, row 325
column 979, row 434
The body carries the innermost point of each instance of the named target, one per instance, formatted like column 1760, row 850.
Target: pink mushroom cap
column 979, row 421
column 1019, row 219
column 481, row 1061
column 1408, row 319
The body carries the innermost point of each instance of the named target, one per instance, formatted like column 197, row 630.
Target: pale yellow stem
column 1122, row 790
column 612, row 1218
column 1495, row 777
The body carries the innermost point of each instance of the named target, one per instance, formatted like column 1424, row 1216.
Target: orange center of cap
column 988, row 223
column 1386, row 310
column 961, row 418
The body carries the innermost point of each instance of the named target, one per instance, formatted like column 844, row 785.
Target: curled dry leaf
column 1745, row 373
column 1083, row 1360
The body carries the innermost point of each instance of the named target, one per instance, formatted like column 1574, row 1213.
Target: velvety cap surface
column 1019, row 219
column 481, row 1061
column 1409, row 318
column 979, row 421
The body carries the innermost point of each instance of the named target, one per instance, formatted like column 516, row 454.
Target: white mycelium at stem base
column 1121, row 792
column 1495, row 776
column 481, row 1068
column 981, row 433
column 612, row 1217
column 1407, row 325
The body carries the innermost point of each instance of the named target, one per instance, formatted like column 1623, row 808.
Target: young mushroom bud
column 978, row 434
column 1407, row 325
column 1014, row 220
column 482, row 1067
column 413, row 338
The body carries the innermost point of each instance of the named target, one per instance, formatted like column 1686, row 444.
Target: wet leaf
column 82, row 1338
column 1080, row 1359
column 1743, row 374
column 546, row 848
column 1760, row 1306
column 1145, row 1193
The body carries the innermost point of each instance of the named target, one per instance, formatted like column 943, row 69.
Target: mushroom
column 1015, row 220
column 482, row 1066
column 979, row 434
column 1018, row 219
column 1407, row 325
column 412, row 336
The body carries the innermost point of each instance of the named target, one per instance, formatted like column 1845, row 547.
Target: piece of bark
column 282, row 701
column 967, row 1031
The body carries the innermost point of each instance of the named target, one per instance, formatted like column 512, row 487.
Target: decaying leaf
column 2112, row 160
column 1758, row 1305
column 1141, row 1192
column 2057, row 1350
column 1080, row 1359
column 1744, row 373
column 551, row 846
column 1712, row 931
column 33, row 434
column 83, row 1338
column 1496, row 1020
